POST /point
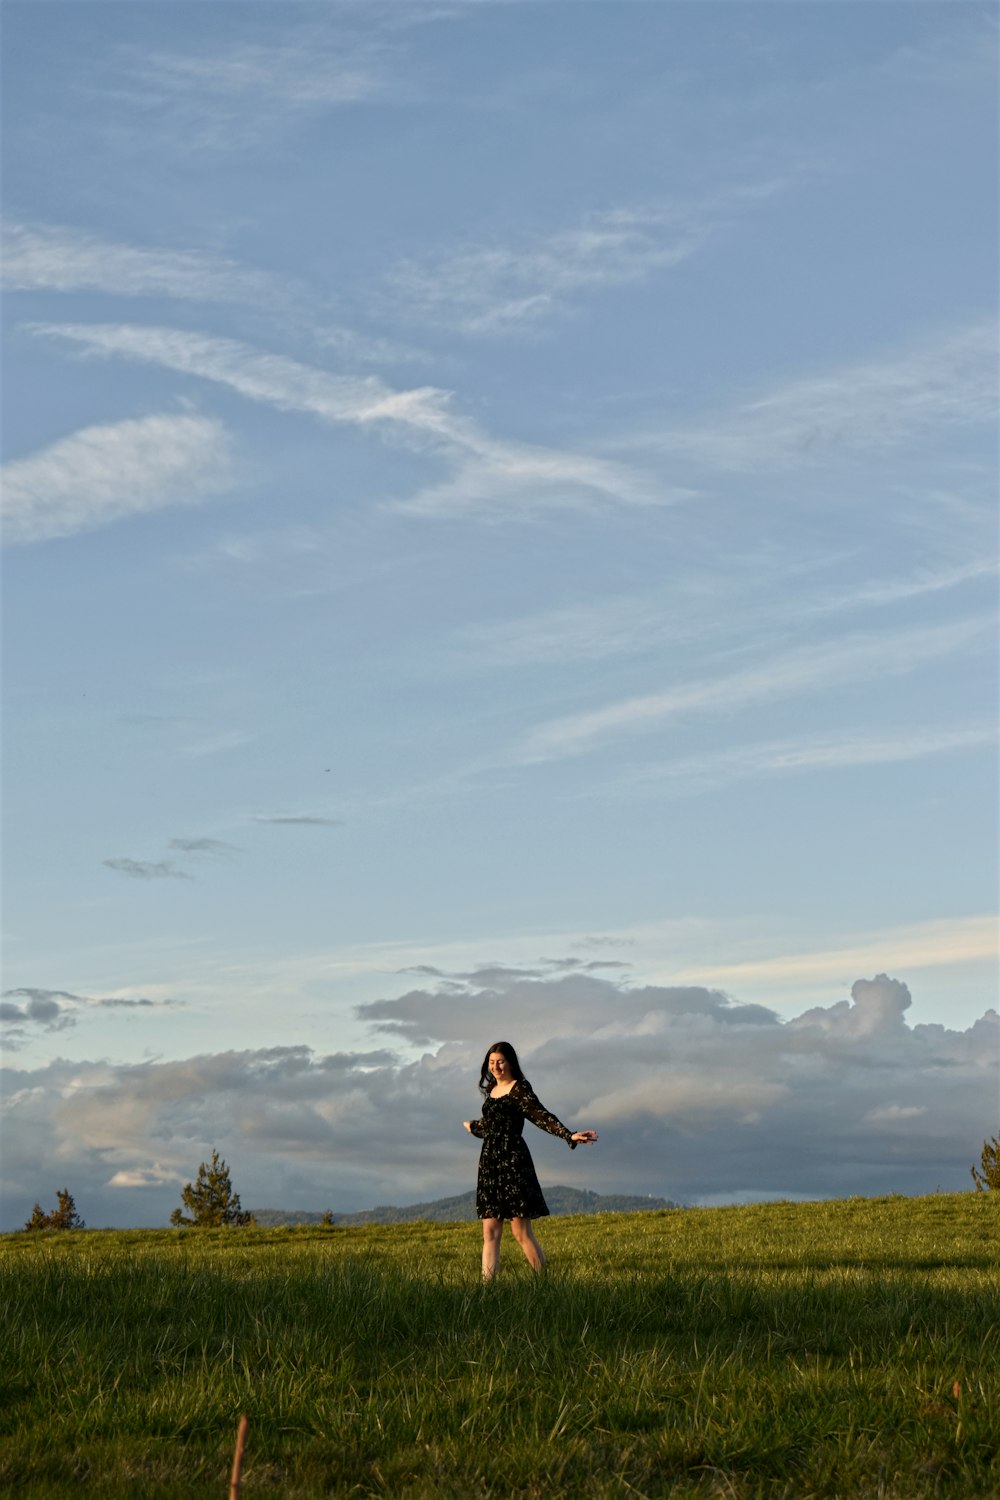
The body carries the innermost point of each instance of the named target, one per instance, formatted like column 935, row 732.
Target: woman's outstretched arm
column 534, row 1110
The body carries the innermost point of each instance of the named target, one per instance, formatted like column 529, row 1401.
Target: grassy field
column 828, row 1349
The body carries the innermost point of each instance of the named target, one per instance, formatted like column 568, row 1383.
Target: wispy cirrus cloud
column 272, row 379
column 488, row 476
column 112, row 471
column 498, row 289
column 944, row 943
column 367, row 349
column 810, row 669
column 592, row 631
column 497, row 480
column 630, row 624
column 55, row 258
column 226, row 97
column 789, row 757
column 302, row 74
column 633, row 624
column 945, row 383
column 60, row 258
column 888, row 591
column 219, row 743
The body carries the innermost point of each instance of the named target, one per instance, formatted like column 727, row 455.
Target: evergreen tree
column 210, row 1201
column 63, row 1216
column 66, row 1216
column 988, row 1175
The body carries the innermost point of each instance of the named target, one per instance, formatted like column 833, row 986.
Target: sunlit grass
column 796, row 1350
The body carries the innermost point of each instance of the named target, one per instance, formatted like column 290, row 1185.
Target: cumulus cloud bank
column 695, row 1096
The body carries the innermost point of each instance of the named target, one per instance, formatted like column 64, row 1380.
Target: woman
column 507, row 1186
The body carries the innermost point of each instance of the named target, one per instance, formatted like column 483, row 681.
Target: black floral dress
column 508, row 1187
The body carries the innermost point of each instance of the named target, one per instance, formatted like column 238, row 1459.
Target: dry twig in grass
column 241, row 1443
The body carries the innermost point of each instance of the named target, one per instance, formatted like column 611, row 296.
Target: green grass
column 781, row 1350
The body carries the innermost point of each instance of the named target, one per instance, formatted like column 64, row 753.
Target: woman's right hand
column 468, row 1125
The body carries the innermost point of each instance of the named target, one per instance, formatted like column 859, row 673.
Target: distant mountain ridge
column 561, row 1200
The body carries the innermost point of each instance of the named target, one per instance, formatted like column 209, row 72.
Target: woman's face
column 499, row 1067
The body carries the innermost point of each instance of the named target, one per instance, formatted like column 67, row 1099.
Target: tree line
column 211, row 1203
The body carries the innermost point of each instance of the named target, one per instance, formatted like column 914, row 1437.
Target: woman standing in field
column 508, row 1187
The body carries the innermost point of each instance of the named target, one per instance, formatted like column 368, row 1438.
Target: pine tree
column 63, row 1216
column 210, row 1201
column 66, row 1216
column 989, row 1174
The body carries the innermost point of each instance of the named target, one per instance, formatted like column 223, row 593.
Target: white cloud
column 867, row 407
column 302, row 74
column 504, row 479
column 895, row 1114
column 890, row 591
column 720, row 768
column 808, row 669
column 55, row 258
column 489, row 476
column 367, row 349
column 269, row 378
column 219, row 743
column 501, row 289
column 154, row 1175
column 109, row 472
column 229, row 97
column 944, row 943
column 601, row 628
column 688, row 609
column 694, row 1096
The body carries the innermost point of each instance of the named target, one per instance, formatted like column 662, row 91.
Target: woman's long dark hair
column 486, row 1079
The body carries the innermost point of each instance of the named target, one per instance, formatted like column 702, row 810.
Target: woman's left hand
column 585, row 1137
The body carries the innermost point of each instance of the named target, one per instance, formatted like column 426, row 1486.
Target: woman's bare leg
column 525, row 1236
column 492, row 1230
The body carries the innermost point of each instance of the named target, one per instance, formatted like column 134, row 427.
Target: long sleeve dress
column 508, row 1187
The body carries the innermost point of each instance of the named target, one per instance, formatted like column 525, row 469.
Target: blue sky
column 499, row 517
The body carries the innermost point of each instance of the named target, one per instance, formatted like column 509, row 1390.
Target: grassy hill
column 844, row 1349
column 462, row 1208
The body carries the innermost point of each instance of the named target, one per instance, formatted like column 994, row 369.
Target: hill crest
column 462, row 1208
